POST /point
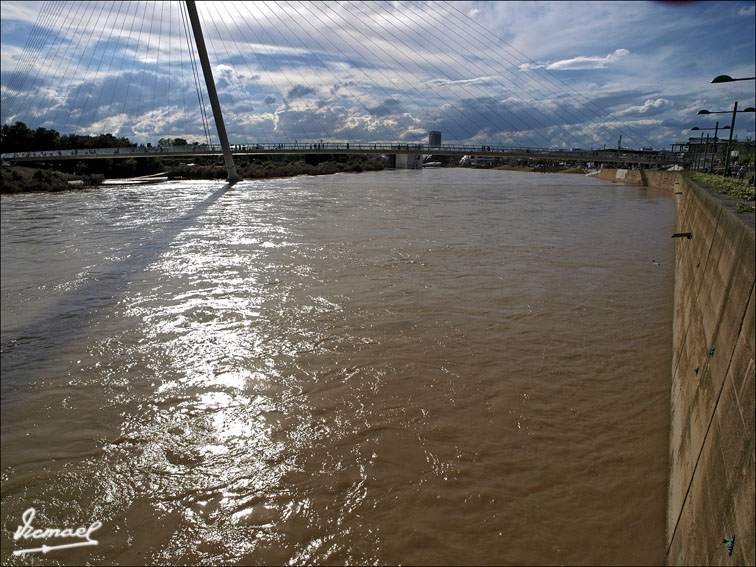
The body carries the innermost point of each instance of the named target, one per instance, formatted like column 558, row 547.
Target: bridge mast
column 233, row 177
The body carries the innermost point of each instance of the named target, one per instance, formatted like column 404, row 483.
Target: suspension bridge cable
column 28, row 54
column 157, row 56
column 54, row 61
column 464, row 88
column 103, row 49
column 230, row 108
column 342, row 50
column 421, row 94
column 145, row 61
column 241, row 53
column 321, row 125
column 430, row 16
column 183, row 79
column 125, row 49
column 200, row 99
column 83, row 78
column 170, row 57
column 72, row 80
column 284, row 97
column 418, row 52
column 249, row 68
column 339, row 82
column 351, row 79
column 180, row 115
column 181, row 88
column 132, row 72
column 380, row 70
column 43, row 62
column 72, row 58
column 257, row 41
column 525, row 78
column 602, row 112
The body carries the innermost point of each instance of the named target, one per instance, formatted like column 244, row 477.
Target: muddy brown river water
column 445, row 366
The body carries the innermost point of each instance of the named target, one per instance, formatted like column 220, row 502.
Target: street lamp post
column 726, row 172
column 715, row 140
column 698, row 154
column 728, row 79
column 732, row 126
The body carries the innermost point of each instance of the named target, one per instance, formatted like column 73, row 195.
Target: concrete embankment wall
column 712, row 456
column 660, row 179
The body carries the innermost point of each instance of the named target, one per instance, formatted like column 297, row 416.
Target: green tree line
column 20, row 138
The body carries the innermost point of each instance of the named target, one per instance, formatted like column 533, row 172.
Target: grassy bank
column 728, row 186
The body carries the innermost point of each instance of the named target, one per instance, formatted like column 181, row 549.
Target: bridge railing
column 349, row 147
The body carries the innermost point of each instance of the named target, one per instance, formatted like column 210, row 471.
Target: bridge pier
column 409, row 161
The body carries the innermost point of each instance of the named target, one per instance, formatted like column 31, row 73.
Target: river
column 445, row 366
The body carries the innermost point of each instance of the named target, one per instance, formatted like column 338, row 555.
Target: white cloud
column 649, row 107
column 470, row 81
column 750, row 11
column 584, row 62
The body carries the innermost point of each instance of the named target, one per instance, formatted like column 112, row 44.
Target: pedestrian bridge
column 649, row 157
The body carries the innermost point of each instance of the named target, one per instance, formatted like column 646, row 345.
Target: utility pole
column 228, row 158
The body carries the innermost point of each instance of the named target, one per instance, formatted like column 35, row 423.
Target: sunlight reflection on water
column 379, row 368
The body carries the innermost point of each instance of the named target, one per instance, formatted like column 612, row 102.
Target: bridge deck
column 623, row 156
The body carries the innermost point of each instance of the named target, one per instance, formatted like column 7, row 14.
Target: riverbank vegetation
column 728, row 186
column 61, row 175
column 20, row 138
column 71, row 175
column 19, row 179
column 284, row 166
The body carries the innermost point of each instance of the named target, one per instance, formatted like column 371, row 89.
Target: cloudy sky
column 538, row 74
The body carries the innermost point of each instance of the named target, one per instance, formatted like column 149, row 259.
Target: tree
column 45, row 139
column 20, row 138
column 16, row 138
column 128, row 167
column 172, row 142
